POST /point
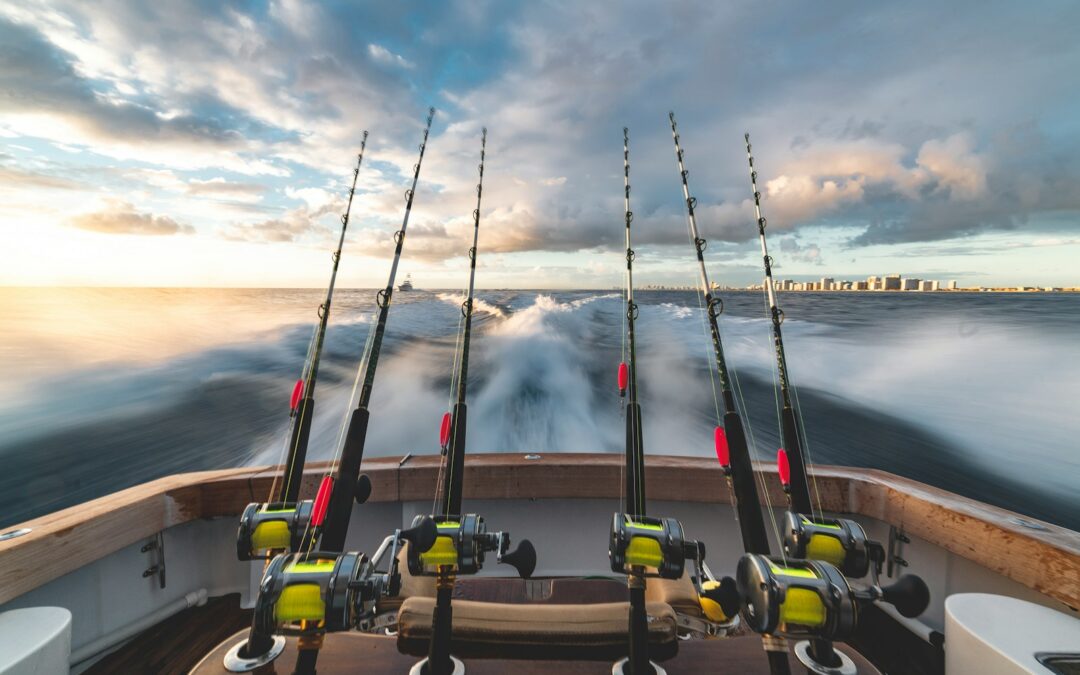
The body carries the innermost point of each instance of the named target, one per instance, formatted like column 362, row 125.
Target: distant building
column 826, row 283
column 927, row 285
column 952, row 285
column 935, row 285
column 891, row 282
column 862, row 285
column 873, row 284
column 909, row 285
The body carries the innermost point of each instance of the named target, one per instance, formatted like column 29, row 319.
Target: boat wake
column 945, row 400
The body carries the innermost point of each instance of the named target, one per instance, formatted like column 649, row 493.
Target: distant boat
column 407, row 284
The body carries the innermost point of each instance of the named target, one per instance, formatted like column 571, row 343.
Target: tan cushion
column 603, row 624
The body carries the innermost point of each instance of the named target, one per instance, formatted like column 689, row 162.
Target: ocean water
column 107, row 388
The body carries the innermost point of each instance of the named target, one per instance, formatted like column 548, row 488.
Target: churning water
column 108, row 388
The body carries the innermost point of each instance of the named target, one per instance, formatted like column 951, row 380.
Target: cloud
column 294, row 225
column 384, row 55
column 225, row 189
column 793, row 250
column 120, row 217
column 12, row 177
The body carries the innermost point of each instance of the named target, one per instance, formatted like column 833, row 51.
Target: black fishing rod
column 634, row 497
column 730, row 439
column 302, row 405
column 454, row 445
column 639, row 546
column 345, row 479
column 464, row 539
column 790, row 429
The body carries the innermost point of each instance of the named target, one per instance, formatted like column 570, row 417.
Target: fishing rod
column 634, row 497
column 463, row 539
column 639, row 546
column 345, row 480
column 284, row 523
column 730, row 439
column 302, row 404
column 790, row 430
column 806, row 593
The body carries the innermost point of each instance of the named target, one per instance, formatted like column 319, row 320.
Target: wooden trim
column 1047, row 561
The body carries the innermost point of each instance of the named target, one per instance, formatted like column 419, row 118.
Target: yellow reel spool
column 644, row 551
column 444, row 551
column 824, row 547
column 802, row 607
column 300, row 602
column 271, row 535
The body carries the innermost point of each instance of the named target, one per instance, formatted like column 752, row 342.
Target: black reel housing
column 651, row 543
column 268, row 528
column 810, row 598
column 462, row 544
column 837, row 541
column 308, row 593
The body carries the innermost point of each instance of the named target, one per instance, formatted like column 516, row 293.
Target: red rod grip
column 624, row 378
column 723, row 453
column 297, row 394
column 322, row 501
column 444, row 430
column 783, row 468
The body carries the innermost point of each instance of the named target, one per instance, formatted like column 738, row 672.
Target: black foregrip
column 800, row 484
column 751, row 522
column 298, row 445
column 454, row 480
column 341, row 499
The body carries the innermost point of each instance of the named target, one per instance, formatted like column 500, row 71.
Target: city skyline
column 206, row 145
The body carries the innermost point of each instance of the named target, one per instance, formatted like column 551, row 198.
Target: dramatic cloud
column 122, row 218
column 893, row 125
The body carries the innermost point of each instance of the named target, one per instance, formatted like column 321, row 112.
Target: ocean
column 107, row 388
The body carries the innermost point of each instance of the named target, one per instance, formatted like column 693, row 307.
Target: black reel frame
column 463, row 542
column 296, row 518
column 652, row 543
column 813, row 599
column 837, row 541
column 349, row 587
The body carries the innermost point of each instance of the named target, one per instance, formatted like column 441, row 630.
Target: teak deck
column 1047, row 561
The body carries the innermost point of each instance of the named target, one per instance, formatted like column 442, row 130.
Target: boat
column 407, row 284
column 625, row 563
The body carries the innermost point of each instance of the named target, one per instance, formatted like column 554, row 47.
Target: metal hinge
column 897, row 539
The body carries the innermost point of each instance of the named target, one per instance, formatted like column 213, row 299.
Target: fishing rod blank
column 303, row 403
column 352, row 453
column 455, row 443
column 345, row 481
column 464, row 537
column 731, row 447
column 790, row 429
column 634, row 500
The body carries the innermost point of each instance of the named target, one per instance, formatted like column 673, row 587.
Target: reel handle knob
column 726, row 595
column 910, row 595
column 422, row 535
column 522, row 558
column 693, row 550
column 363, row 489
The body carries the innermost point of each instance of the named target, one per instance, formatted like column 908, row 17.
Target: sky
column 207, row 143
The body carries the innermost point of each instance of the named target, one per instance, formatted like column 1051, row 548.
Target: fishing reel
column 272, row 527
column 463, row 542
column 310, row 594
column 812, row 599
column 651, row 543
column 267, row 529
column 837, row 541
